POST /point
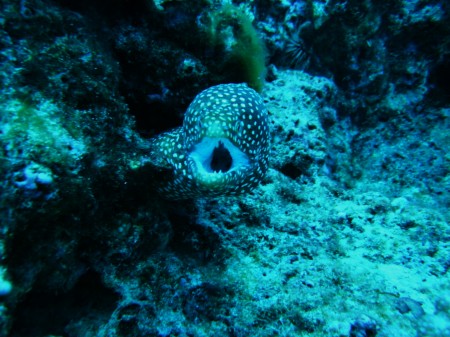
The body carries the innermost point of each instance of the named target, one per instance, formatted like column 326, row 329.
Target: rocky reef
column 347, row 233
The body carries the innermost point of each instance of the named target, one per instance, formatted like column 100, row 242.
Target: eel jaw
column 213, row 161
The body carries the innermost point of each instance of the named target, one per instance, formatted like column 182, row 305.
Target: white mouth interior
column 217, row 155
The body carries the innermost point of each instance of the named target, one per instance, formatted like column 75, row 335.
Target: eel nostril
column 221, row 160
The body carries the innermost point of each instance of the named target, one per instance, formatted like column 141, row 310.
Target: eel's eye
column 221, row 158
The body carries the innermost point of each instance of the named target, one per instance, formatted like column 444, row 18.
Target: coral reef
column 346, row 234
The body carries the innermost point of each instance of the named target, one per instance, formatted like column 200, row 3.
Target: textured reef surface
column 225, row 168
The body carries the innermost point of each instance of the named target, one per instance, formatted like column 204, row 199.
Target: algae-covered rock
column 346, row 235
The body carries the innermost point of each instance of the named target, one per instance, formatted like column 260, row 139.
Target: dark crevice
column 47, row 313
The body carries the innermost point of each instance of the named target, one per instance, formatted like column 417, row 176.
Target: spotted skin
column 227, row 111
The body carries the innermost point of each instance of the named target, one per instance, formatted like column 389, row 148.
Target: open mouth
column 213, row 156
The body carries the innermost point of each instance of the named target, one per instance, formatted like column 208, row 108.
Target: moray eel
column 221, row 149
